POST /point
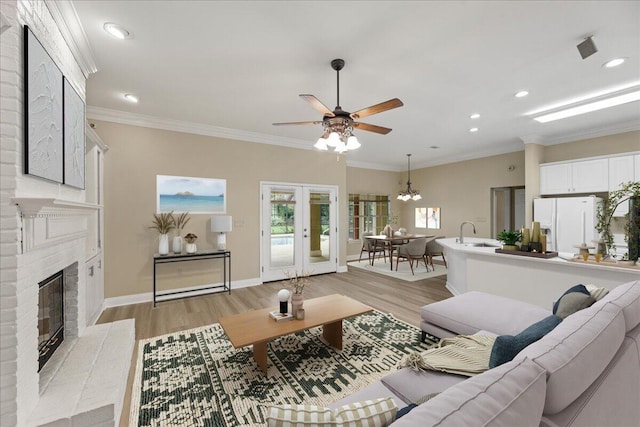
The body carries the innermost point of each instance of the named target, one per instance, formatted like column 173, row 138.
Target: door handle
column 305, row 235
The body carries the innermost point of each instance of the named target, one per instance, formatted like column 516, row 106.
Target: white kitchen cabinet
column 585, row 176
column 621, row 170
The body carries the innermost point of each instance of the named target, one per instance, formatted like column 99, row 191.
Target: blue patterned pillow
column 506, row 347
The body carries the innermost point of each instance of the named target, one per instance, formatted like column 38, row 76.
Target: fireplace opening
column 50, row 317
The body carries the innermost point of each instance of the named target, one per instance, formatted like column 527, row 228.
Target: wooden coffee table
column 257, row 328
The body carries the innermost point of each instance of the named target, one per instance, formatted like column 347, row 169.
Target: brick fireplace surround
column 43, row 229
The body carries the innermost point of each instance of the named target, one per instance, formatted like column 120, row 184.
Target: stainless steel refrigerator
column 567, row 221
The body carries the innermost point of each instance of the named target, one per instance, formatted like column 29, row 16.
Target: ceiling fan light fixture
column 117, row 31
column 341, row 147
column 353, row 143
column 321, row 144
column 334, row 139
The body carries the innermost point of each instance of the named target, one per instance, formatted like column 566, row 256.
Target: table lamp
column 283, row 297
column 221, row 224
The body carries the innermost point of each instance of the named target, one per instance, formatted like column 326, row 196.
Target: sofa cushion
column 470, row 312
column 413, row 386
column 627, row 297
column 510, row 395
column 576, row 352
column 507, row 346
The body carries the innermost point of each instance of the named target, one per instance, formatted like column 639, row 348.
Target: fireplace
column 50, row 316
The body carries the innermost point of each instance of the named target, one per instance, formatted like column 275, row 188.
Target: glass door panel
column 319, row 227
column 283, row 218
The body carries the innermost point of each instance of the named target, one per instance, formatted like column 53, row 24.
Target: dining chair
column 415, row 250
column 434, row 249
column 371, row 248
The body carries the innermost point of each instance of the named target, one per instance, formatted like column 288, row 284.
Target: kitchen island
column 537, row 281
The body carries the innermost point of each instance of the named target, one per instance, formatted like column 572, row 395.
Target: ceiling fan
column 339, row 124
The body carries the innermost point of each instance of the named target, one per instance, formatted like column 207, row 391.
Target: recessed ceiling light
column 117, row 31
column 613, row 63
column 474, row 116
column 521, row 94
column 131, row 98
column 591, row 106
column 473, row 130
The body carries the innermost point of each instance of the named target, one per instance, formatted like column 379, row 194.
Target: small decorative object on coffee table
column 283, row 297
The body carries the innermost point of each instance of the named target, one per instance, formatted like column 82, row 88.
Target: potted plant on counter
column 628, row 192
column 509, row 240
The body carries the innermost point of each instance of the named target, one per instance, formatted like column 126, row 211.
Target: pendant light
column 409, row 193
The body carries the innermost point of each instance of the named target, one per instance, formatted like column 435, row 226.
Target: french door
column 299, row 230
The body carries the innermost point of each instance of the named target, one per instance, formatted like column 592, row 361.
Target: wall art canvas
column 421, row 218
column 43, row 112
column 433, row 217
column 74, row 143
column 193, row 195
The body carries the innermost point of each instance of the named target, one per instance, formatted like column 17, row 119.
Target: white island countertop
column 538, row 281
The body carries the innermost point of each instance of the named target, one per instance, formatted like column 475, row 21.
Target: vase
column 163, row 245
column 509, row 247
column 191, row 248
column 297, row 301
column 177, row 244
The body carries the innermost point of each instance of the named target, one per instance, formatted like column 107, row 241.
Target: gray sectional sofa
column 585, row 372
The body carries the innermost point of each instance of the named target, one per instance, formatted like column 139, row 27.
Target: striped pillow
column 370, row 413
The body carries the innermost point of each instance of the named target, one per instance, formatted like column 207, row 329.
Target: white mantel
column 534, row 280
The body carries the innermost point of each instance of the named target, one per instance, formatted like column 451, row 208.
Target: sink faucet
column 462, row 225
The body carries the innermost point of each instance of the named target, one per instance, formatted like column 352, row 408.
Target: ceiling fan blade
column 372, row 128
column 378, row 108
column 315, row 103
column 298, row 123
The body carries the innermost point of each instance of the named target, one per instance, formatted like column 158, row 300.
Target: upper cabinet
column 584, row 176
column 621, row 170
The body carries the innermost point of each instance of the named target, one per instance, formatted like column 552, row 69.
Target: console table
column 212, row 254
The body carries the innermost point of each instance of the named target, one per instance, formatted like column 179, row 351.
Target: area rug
column 197, row 378
column 403, row 273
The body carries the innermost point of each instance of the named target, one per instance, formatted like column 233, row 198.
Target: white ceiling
column 240, row 66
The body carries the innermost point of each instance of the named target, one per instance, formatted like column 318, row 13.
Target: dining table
column 394, row 241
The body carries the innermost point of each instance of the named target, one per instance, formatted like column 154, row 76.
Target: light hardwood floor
column 386, row 294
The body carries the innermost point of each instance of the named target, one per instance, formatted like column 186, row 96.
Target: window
column 367, row 212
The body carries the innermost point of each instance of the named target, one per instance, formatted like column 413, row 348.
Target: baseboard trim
column 148, row 296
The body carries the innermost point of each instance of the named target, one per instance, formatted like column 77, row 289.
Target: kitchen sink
column 481, row 245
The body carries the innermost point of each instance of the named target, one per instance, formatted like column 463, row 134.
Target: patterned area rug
column 197, row 378
column 403, row 273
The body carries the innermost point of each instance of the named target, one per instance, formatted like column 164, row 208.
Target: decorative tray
column 529, row 254
column 606, row 263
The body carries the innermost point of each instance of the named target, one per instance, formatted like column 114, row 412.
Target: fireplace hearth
column 50, row 317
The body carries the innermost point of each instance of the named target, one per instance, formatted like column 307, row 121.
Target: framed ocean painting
column 193, row 195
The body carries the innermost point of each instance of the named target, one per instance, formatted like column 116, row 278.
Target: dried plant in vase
column 179, row 222
column 163, row 222
column 296, row 281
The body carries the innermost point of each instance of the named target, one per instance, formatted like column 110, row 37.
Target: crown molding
column 134, row 119
column 623, row 127
column 66, row 18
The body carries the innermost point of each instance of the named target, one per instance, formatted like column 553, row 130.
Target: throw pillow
column 570, row 303
column 596, row 292
column 577, row 288
column 506, row 347
column 370, row 413
column 300, row 415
